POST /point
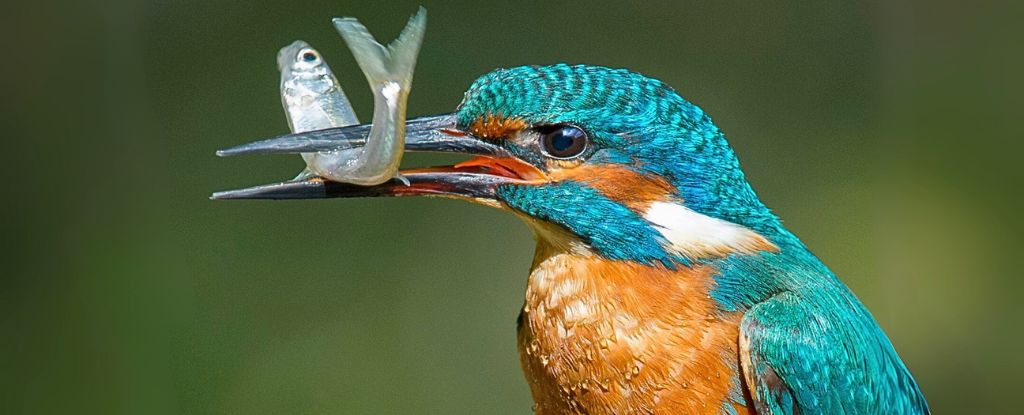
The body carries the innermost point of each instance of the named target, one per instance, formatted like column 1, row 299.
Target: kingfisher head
column 596, row 159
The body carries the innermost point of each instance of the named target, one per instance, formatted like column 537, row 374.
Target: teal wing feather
column 823, row 354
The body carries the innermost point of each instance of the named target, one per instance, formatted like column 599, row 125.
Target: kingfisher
column 660, row 283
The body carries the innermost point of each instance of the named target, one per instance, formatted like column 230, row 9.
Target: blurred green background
column 887, row 134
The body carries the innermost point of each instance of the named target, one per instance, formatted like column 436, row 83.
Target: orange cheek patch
column 634, row 190
column 496, row 126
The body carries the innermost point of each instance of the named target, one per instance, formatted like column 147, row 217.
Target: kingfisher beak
column 476, row 179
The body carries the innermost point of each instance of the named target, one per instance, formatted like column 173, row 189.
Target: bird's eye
column 309, row 56
column 562, row 141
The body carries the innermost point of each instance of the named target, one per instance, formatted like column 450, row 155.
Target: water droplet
column 604, row 343
column 686, row 385
column 526, row 308
column 636, row 370
column 604, row 385
column 590, row 355
column 544, row 360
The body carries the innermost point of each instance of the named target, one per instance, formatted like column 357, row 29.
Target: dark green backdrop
column 886, row 134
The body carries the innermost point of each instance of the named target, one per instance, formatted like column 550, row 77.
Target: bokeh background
column 887, row 134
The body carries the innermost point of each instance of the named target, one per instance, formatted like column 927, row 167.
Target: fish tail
column 380, row 64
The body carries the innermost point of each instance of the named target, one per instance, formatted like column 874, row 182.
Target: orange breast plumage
column 614, row 337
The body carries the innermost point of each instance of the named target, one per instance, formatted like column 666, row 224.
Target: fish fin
column 380, row 64
column 403, row 179
column 304, row 174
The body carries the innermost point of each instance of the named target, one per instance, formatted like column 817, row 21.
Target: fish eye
column 308, row 56
column 562, row 141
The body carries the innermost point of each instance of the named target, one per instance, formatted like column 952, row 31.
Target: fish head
column 304, row 71
column 310, row 93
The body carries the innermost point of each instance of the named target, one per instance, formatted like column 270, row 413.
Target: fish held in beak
column 313, row 99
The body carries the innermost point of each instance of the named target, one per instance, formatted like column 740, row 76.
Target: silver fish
column 389, row 72
column 313, row 99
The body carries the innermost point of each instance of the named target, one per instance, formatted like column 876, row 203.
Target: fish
column 388, row 71
column 313, row 100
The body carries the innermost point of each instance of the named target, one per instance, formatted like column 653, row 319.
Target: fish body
column 313, row 100
column 389, row 73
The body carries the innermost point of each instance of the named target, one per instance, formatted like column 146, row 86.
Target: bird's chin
column 475, row 180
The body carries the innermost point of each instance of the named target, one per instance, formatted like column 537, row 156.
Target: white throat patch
column 693, row 235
